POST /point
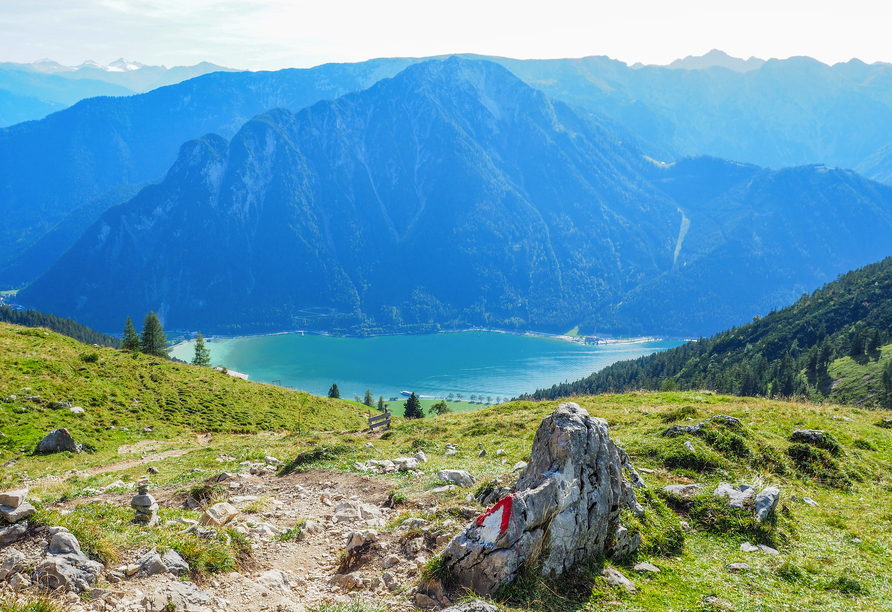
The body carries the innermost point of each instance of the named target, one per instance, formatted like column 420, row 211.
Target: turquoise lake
column 434, row 365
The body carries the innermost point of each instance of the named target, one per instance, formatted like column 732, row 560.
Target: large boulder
column 565, row 507
column 57, row 441
column 66, row 567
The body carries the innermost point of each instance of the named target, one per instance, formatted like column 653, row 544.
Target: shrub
column 818, row 463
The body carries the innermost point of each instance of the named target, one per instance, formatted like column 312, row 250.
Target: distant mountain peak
column 719, row 58
column 122, row 65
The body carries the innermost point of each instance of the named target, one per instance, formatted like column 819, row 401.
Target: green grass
column 858, row 380
column 123, row 393
column 836, row 556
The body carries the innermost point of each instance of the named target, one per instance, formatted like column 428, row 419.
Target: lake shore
column 600, row 340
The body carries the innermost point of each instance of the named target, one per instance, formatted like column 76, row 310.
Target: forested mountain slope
column 452, row 191
column 455, row 195
column 789, row 352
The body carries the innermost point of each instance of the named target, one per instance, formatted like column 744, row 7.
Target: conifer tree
column 413, row 408
column 202, row 354
column 130, row 340
column 381, row 405
column 368, row 400
column 153, row 340
column 334, row 392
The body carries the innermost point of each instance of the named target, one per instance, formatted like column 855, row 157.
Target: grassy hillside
column 122, row 393
column 833, row 556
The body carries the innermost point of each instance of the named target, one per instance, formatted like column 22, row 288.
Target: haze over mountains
column 32, row 91
column 456, row 194
column 613, row 240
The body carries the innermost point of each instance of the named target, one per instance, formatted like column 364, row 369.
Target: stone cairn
column 145, row 505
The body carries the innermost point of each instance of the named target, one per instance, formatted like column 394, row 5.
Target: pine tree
column 368, row 400
column 130, row 340
column 202, row 354
column 413, row 408
column 334, row 392
column 153, row 340
column 381, row 405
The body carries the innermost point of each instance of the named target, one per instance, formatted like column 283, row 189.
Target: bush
column 818, row 463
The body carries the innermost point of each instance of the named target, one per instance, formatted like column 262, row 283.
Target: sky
column 273, row 34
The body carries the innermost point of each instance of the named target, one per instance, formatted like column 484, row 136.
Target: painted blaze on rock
column 564, row 509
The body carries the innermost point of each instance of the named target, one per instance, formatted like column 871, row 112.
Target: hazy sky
column 271, row 34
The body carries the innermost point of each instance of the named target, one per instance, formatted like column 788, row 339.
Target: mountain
column 135, row 76
column 53, row 166
column 782, row 232
column 717, row 58
column 455, row 195
column 38, row 257
column 802, row 350
column 451, row 192
column 16, row 108
column 878, row 166
column 791, row 112
column 57, row 86
column 786, row 113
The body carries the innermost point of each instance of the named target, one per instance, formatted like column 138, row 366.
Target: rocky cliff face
column 451, row 190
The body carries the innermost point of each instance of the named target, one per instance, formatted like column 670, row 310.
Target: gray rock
column 689, row 446
column 153, row 470
column 13, row 499
column 404, row 464
column 425, row 602
column 646, row 568
column 150, row 564
column 13, row 533
column 13, row 561
column 57, row 529
column 459, row 477
column 723, row 419
column 768, row 550
column 520, row 465
column 615, row 578
column 360, row 539
column 175, row 564
column 736, row 495
column 66, row 567
column 14, row 515
column 766, row 502
column 748, row 548
column 389, row 581
column 177, row 596
column 64, row 543
column 809, row 501
column 421, row 457
column 685, row 490
column 276, row 579
column 624, row 544
column 570, row 494
column 473, row 606
column 312, row 528
column 57, row 441
column 738, row 567
column 19, row 582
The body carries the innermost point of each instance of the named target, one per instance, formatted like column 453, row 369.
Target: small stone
column 736, row 495
column 616, row 579
column 174, row 563
column 14, row 515
column 738, row 567
column 390, row 561
column 748, row 548
column 312, row 528
column 768, row 550
column 421, row 457
column 57, row 529
column 13, row 499
column 153, row 470
column 482, row 453
column 809, row 501
column 766, row 502
column 689, row 446
column 459, row 477
column 218, row 515
column 685, row 490
column 646, row 568
column 520, row 465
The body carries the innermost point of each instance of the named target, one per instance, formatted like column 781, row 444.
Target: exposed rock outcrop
column 565, row 507
column 57, row 441
column 66, row 566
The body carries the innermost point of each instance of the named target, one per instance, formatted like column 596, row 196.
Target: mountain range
column 32, row 91
column 455, row 194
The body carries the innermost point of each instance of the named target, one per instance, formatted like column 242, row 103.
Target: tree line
column 785, row 354
column 60, row 325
